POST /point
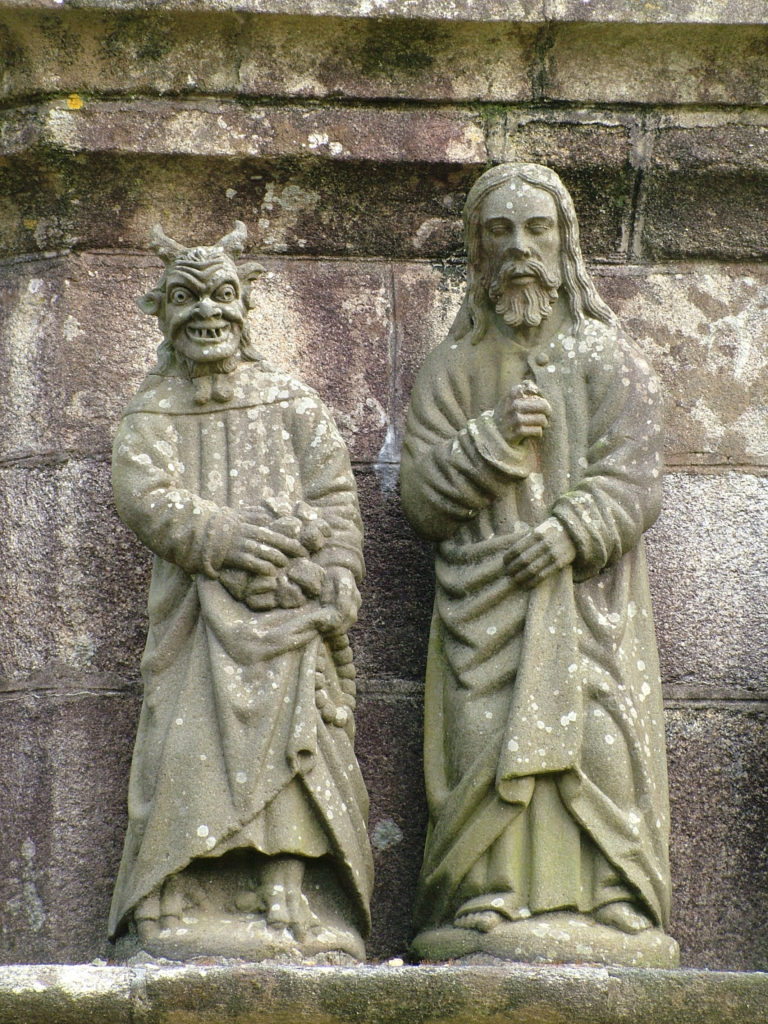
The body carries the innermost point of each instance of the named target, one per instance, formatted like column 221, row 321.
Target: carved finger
column 535, row 570
column 273, row 539
column 265, row 552
column 261, row 584
column 519, row 546
column 254, row 564
column 261, row 602
column 539, row 406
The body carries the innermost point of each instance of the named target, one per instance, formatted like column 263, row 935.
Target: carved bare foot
column 484, row 913
column 284, row 903
column 480, row 920
column 147, row 917
column 625, row 916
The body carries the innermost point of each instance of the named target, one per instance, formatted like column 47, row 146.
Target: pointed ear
column 150, row 303
column 248, row 272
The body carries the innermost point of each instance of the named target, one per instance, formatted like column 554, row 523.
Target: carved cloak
column 229, row 725
column 561, row 681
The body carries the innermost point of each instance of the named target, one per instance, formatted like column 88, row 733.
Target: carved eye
column 226, row 293
column 539, row 227
column 179, row 296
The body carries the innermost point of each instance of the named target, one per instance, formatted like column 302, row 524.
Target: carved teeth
column 207, row 333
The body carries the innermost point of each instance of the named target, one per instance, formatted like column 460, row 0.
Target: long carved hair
column 227, row 249
column 584, row 301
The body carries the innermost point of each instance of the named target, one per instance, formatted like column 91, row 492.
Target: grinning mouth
column 207, row 333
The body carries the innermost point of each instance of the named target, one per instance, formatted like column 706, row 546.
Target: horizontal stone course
column 701, row 325
column 63, row 781
column 206, row 127
column 375, row 181
column 63, row 791
column 77, row 345
column 253, row 994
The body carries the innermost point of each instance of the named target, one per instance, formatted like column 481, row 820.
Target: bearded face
column 520, row 252
column 203, row 312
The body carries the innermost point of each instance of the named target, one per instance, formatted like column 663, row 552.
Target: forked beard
column 523, row 303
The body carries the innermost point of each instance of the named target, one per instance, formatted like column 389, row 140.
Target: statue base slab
column 561, row 937
column 247, row 937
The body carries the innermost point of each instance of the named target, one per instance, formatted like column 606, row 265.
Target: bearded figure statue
column 247, row 810
column 532, row 458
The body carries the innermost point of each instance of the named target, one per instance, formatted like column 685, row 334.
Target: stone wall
column 345, row 133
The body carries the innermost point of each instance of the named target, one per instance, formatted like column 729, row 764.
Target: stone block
column 78, row 346
column 389, row 994
column 702, row 326
column 92, row 994
column 218, row 128
column 63, row 784
column 257, row 55
column 330, row 323
column 718, row 773
column 74, row 582
column 666, row 63
column 707, row 556
column 702, row 191
column 427, row 298
column 302, row 206
column 593, row 153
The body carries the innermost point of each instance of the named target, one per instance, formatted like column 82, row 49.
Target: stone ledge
column 255, row 994
column 724, row 12
column 208, row 127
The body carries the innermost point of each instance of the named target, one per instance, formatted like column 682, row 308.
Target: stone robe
column 544, row 734
column 232, row 751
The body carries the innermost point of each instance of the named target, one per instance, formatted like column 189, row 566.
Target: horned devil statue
column 247, row 810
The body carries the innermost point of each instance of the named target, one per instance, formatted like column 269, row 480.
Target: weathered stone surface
column 76, row 346
column 71, row 374
column 707, row 558
column 330, row 324
column 701, row 325
column 702, row 192
column 218, row 128
column 680, row 11
column 391, row 634
column 67, row 994
column 629, row 63
column 74, row 581
column 63, row 782
column 389, row 721
column 305, row 206
column 156, row 51
column 256, row 994
column 593, row 154
column 427, row 299
column 719, row 796
column 703, row 328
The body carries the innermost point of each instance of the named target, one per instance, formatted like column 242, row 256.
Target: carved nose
column 208, row 308
column 517, row 247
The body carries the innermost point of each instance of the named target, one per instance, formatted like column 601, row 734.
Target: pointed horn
column 233, row 242
column 164, row 246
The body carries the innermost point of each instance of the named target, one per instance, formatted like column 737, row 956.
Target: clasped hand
column 538, row 553
column 523, row 412
column 257, row 548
